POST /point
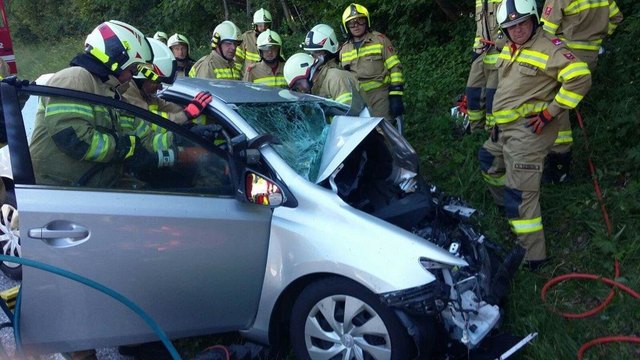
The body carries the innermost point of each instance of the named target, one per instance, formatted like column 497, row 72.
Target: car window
column 300, row 127
column 85, row 144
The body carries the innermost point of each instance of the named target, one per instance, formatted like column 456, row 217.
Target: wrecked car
column 306, row 221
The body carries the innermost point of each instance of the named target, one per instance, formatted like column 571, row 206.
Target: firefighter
column 372, row 57
column 247, row 53
column 539, row 79
column 142, row 93
column 179, row 45
column 220, row 64
column 319, row 73
column 161, row 36
column 72, row 137
column 582, row 28
column 269, row 70
column 483, row 75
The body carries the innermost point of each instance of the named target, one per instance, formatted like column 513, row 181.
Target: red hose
column 580, row 276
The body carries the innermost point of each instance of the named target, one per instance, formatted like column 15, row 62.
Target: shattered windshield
column 300, row 126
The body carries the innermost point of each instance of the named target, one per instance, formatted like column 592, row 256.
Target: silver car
column 304, row 220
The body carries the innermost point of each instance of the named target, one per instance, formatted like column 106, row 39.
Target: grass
column 576, row 234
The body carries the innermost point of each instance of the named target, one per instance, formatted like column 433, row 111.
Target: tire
column 10, row 237
column 318, row 329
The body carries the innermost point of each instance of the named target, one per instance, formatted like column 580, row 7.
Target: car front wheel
column 10, row 238
column 336, row 318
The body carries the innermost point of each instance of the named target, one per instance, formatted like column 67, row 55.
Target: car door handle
column 61, row 233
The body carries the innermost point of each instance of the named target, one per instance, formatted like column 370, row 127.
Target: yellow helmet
column 225, row 31
column 354, row 11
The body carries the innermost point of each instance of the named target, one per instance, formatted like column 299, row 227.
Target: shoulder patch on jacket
column 548, row 10
column 569, row 56
column 556, row 41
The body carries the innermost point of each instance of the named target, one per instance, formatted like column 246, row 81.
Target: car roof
column 237, row 92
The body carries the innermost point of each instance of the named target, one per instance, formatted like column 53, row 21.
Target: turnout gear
column 214, row 66
column 184, row 63
column 136, row 158
column 176, row 39
column 161, row 36
column 321, row 37
column 541, row 78
column 267, row 72
column 354, row 11
column 377, row 68
column 198, row 104
column 537, row 122
column 247, row 53
column 164, row 67
column 118, row 45
column 483, row 75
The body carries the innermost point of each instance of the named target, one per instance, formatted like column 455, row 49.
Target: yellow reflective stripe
column 612, row 28
column 568, row 98
column 509, row 115
column 490, row 120
column 490, row 59
column 200, row 120
column 227, row 73
column 240, row 53
column 252, row 56
column 126, row 122
column 549, row 27
column 375, row 49
column 397, row 77
column 238, row 66
column 564, row 137
column 613, row 9
column 371, row 85
column 526, row 226
column 494, row 180
column 573, row 70
column 396, row 92
column 583, row 45
column 277, row 81
column 534, row 58
column 161, row 141
column 475, row 115
column 391, row 62
column 476, row 42
column 344, row 98
column 99, row 147
column 582, row 5
column 69, row 108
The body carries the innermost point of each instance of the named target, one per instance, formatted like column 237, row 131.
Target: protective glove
column 195, row 107
column 395, row 105
column 209, row 132
column 130, row 150
column 537, row 122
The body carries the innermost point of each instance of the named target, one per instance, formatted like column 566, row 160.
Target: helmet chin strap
column 219, row 50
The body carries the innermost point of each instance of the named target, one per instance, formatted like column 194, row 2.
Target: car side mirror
column 262, row 191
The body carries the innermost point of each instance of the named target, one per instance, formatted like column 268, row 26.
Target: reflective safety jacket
column 214, row 66
column 152, row 137
column 487, row 29
column 184, row 66
column 540, row 74
column 332, row 82
column 4, row 69
column 581, row 24
column 375, row 63
column 247, row 53
column 263, row 73
column 72, row 137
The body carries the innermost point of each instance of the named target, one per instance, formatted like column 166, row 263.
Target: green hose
column 88, row 282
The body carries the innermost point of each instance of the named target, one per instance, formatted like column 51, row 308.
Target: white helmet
column 161, row 35
column 297, row 67
column 321, row 37
column 165, row 66
column 513, row 12
column 118, row 45
column 269, row 38
column 176, row 39
column 225, row 31
column 262, row 16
